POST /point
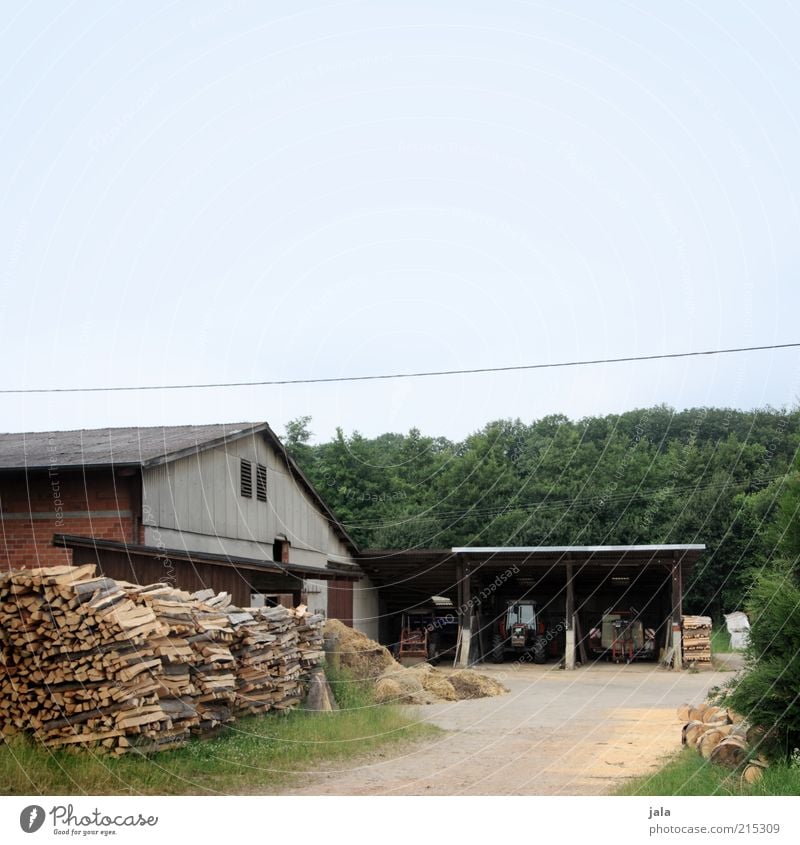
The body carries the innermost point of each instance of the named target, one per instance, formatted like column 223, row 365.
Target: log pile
column 268, row 668
column 722, row 736
column 310, row 632
column 696, row 641
column 78, row 667
column 93, row 662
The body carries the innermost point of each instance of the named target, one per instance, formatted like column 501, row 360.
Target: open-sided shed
column 573, row 587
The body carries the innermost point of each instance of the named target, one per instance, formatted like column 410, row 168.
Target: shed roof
column 414, row 575
column 70, row 541
column 582, row 551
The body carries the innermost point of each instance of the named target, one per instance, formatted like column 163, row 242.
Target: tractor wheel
column 540, row 650
column 498, row 649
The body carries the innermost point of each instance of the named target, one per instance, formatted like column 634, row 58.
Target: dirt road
column 555, row 733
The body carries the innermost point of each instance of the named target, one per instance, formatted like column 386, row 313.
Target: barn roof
column 96, row 447
column 142, row 447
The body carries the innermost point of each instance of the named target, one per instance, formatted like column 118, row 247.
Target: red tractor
column 520, row 632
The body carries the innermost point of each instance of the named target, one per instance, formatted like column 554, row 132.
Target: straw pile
column 392, row 683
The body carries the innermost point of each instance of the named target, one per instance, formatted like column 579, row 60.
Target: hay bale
column 435, row 682
column 360, row 655
column 404, row 685
column 471, row 684
column 388, row 691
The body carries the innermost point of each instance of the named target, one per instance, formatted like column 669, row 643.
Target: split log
column 715, row 714
column 752, row 773
column 731, row 752
column 708, row 741
column 692, row 731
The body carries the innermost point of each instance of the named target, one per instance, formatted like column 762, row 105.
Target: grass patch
column 720, row 640
column 257, row 754
column 689, row 774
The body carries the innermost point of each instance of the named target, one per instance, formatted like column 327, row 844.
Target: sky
column 234, row 191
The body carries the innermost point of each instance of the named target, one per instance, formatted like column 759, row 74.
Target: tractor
column 519, row 631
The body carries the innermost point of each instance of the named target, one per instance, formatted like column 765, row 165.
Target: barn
column 222, row 506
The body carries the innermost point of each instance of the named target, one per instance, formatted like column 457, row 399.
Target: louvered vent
column 247, row 479
column 261, row 483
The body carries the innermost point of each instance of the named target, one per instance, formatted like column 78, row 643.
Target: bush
column 768, row 695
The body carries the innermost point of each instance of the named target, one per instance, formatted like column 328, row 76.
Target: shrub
column 768, row 694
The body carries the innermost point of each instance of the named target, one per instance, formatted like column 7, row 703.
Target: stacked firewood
column 722, row 736
column 103, row 663
column 696, row 641
column 285, row 663
column 310, row 632
column 78, row 666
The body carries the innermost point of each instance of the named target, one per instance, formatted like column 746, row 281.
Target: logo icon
column 31, row 818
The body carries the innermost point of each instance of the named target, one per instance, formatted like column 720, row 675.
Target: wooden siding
column 199, row 496
column 182, row 574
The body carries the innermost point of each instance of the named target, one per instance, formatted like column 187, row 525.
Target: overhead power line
column 387, row 376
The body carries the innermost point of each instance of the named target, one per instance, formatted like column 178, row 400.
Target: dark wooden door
column 340, row 600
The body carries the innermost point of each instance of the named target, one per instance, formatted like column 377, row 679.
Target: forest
column 652, row 475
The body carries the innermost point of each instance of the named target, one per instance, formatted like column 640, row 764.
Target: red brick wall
column 36, row 505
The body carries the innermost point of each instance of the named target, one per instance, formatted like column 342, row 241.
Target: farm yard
column 121, row 670
column 554, row 733
column 132, row 667
column 592, row 732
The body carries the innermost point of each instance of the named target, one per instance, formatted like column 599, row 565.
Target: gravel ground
column 555, row 733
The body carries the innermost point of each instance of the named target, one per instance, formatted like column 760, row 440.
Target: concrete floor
column 555, row 733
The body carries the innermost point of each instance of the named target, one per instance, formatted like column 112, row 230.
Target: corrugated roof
column 113, row 446
column 551, row 550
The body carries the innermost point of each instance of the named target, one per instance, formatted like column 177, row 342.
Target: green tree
column 769, row 692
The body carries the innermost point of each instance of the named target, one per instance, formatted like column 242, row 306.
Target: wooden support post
column 581, row 645
column 677, row 604
column 569, row 655
column 465, row 610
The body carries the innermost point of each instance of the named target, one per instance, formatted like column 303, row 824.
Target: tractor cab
column 519, row 630
column 520, row 622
